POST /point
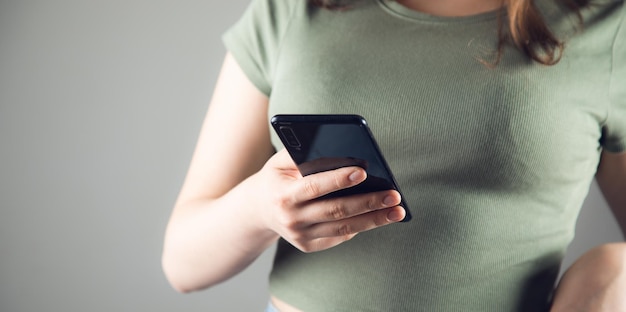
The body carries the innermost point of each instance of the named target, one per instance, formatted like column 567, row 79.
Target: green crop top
column 495, row 162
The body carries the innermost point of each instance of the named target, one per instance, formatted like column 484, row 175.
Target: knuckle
column 290, row 223
column 286, row 215
column 345, row 230
column 380, row 219
column 338, row 181
column 336, row 211
column 282, row 201
column 287, row 219
column 311, row 189
column 371, row 203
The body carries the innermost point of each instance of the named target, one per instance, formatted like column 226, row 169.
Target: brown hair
column 526, row 29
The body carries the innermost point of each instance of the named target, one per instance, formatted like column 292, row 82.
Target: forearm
column 209, row 241
column 595, row 282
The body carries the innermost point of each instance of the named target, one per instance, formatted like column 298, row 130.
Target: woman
column 493, row 127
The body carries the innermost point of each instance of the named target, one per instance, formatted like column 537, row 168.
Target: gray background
column 100, row 106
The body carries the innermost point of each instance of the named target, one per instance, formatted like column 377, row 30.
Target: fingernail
column 356, row 176
column 395, row 215
column 390, row 201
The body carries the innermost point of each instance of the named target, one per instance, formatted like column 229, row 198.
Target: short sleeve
column 255, row 40
column 614, row 132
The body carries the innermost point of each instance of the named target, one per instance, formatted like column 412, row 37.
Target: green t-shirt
column 494, row 162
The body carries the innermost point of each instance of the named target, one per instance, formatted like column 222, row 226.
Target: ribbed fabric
column 494, row 162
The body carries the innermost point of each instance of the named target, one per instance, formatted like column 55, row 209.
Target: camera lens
column 289, row 136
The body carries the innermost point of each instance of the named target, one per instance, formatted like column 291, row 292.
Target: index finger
column 317, row 185
column 330, row 163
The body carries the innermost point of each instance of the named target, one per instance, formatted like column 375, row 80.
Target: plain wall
column 100, row 107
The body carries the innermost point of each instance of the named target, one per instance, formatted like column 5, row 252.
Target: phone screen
column 325, row 142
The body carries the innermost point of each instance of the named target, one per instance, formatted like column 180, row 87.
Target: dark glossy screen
column 325, row 142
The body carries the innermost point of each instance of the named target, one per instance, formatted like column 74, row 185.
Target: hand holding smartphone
column 319, row 143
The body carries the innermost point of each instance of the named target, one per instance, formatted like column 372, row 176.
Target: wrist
column 250, row 209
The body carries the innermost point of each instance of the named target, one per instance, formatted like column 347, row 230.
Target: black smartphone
column 319, row 143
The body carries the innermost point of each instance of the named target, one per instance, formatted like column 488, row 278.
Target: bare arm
column 222, row 160
column 238, row 199
column 597, row 280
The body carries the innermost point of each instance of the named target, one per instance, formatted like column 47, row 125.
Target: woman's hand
column 595, row 282
column 237, row 198
column 293, row 208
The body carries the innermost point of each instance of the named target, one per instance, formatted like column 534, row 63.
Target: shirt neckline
column 398, row 10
